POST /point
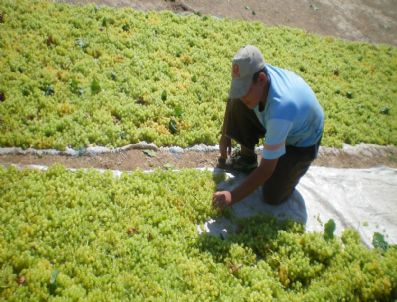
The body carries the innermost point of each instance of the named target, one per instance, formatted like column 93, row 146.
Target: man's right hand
column 225, row 146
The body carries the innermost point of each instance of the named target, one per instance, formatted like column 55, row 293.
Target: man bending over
column 277, row 104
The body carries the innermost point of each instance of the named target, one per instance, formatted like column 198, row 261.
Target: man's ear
column 262, row 76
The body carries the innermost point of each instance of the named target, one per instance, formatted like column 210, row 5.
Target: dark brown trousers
column 242, row 125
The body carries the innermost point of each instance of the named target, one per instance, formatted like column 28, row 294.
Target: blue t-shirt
column 292, row 115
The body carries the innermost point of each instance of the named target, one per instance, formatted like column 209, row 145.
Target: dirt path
column 132, row 159
column 373, row 21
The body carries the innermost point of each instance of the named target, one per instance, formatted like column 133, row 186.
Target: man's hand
column 225, row 146
column 222, row 199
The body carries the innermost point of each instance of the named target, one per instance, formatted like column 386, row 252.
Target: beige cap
column 247, row 61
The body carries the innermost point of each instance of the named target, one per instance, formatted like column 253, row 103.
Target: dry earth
column 373, row 21
column 369, row 156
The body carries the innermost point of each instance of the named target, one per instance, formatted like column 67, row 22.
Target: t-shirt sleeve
column 276, row 134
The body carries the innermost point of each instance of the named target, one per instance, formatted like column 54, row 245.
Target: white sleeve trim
column 273, row 154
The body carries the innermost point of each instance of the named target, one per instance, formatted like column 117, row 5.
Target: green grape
column 171, row 60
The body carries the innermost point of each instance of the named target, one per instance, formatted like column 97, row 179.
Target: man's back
column 292, row 113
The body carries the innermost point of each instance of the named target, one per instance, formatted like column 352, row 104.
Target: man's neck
column 262, row 102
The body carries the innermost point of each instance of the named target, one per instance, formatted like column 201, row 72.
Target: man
column 270, row 102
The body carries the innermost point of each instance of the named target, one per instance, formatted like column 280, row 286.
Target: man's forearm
column 257, row 178
column 225, row 118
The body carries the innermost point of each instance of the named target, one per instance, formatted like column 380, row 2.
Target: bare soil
column 139, row 159
column 373, row 21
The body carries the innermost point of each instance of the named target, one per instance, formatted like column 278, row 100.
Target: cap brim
column 240, row 87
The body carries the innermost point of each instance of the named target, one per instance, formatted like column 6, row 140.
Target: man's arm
column 257, row 178
column 225, row 143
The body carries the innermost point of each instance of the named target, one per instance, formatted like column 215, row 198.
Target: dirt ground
column 142, row 159
column 373, row 21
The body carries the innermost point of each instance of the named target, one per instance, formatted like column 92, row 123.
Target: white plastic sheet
column 364, row 150
column 362, row 199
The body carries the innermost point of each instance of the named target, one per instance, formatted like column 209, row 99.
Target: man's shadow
column 229, row 221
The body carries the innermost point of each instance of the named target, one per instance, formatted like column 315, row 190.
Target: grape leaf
column 378, row 241
column 52, row 285
column 329, row 229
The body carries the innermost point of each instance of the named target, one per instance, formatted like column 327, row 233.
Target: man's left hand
column 222, row 199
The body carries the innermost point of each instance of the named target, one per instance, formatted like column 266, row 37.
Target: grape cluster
column 90, row 236
column 81, row 75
